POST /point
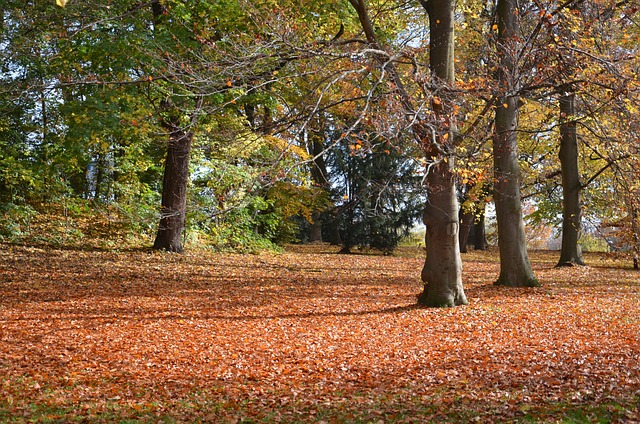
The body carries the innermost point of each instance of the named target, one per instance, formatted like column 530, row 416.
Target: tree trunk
column 515, row 268
column 315, row 232
column 174, row 192
column 480, row 238
column 100, row 176
column 319, row 176
column 466, row 222
column 173, row 209
column 634, row 232
column 332, row 232
column 442, row 271
column 570, row 252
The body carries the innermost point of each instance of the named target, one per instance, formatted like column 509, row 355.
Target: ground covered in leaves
column 310, row 336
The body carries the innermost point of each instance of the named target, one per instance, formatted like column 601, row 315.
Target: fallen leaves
column 307, row 335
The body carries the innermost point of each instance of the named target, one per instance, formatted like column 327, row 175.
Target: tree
column 570, row 252
column 174, row 186
column 315, row 136
column 377, row 191
column 442, row 272
column 515, row 268
column 436, row 133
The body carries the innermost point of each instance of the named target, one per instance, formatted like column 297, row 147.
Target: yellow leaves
column 61, row 3
column 287, row 147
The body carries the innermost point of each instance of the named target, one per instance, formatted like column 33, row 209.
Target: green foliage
column 85, row 91
column 593, row 243
column 15, row 221
column 377, row 193
column 241, row 197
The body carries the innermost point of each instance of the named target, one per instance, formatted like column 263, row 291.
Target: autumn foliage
column 312, row 336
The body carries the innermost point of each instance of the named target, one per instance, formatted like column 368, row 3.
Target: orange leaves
column 307, row 333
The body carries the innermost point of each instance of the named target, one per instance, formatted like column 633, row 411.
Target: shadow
column 79, row 248
column 493, row 291
column 137, row 314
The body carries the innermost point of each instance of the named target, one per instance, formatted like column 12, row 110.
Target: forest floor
column 310, row 336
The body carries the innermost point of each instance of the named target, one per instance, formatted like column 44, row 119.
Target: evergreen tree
column 377, row 194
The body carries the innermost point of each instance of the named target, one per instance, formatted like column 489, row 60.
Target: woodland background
column 288, row 121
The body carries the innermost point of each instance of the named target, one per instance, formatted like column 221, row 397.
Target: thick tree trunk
column 176, row 172
column 174, row 192
column 515, row 268
column 570, row 252
column 332, row 232
column 315, row 232
column 442, row 271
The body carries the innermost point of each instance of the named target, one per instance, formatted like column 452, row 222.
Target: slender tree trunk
column 570, row 252
column 319, row 176
column 466, row 222
column 466, row 219
column 442, row 271
column 515, row 268
column 480, row 238
column 100, row 176
column 635, row 230
column 347, row 238
column 174, row 192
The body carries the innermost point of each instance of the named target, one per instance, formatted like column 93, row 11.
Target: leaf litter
column 309, row 335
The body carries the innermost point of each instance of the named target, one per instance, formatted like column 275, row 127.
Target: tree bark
column 174, row 192
column 176, row 168
column 570, row 253
column 479, row 234
column 442, row 271
column 466, row 222
column 515, row 268
column 319, row 176
column 634, row 231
